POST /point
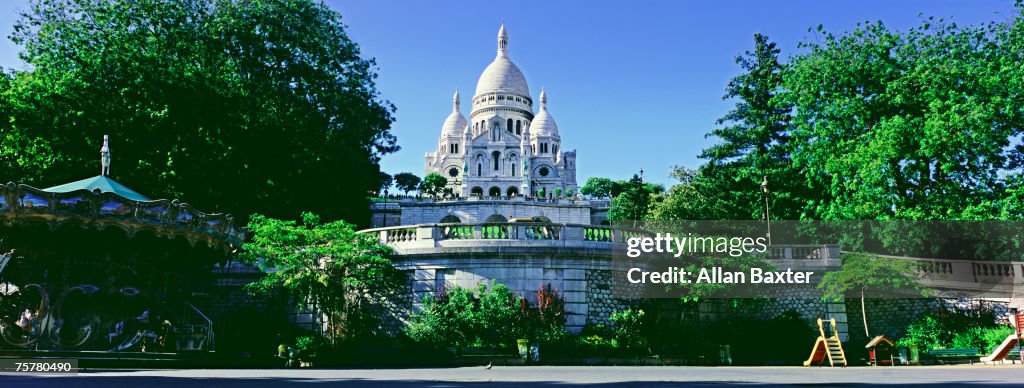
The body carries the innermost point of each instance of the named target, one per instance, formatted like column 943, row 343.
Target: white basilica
column 503, row 149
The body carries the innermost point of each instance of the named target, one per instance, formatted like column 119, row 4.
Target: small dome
column 543, row 124
column 456, row 123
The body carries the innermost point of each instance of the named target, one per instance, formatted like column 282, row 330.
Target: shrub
column 550, row 316
column 946, row 327
column 447, row 318
column 984, row 338
column 489, row 316
column 500, row 316
column 926, row 333
column 628, row 326
column 308, row 347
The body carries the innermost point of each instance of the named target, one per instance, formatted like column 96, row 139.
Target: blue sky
column 632, row 84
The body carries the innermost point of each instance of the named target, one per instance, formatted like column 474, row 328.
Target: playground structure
column 880, row 351
column 1000, row 353
column 827, row 347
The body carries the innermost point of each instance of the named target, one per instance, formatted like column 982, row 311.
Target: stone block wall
column 600, row 302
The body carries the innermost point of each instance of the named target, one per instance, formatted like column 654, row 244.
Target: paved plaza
column 516, row 376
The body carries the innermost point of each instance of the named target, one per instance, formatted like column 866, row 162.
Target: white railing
column 537, row 233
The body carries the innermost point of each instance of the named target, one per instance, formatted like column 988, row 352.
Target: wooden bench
column 955, row 355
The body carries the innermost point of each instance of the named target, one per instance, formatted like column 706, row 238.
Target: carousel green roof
column 103, row 184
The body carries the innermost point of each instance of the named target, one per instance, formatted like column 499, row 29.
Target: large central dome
column 502, row 75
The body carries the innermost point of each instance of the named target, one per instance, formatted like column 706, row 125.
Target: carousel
column 93, row 265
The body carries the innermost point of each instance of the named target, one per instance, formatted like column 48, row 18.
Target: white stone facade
column 504, row 149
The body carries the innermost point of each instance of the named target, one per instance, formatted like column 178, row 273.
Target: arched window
column 512, row 191
column 477, row 191
column 480, row 170
column 495, row 192
column 513, row 168
column 450, row 219
column 508, row 126
column 554, row 149
column 495, row 218
column 496, row 156
column 519, row 127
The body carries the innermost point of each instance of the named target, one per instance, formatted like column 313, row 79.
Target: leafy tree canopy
column 597, row 187
column 326, row 264
column 433, row 184
column 407, row 181
column 234, row 106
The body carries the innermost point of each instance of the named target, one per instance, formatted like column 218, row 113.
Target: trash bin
column 524, row 348
column 724, row 355
column 915, row 355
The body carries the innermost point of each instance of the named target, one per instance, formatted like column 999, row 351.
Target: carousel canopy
column 101, row 183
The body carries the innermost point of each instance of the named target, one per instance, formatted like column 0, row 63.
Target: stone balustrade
column 503, row 234
column 425, row 236
column 980, row 278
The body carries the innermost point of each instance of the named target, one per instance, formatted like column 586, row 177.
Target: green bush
column 951, row 328
column 596, row 337
column 927, row 333
column 628, row 327
column 308, row 347
column 490, row 316
column 984, row 338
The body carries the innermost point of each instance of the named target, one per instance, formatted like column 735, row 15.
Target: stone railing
column 804, row 252
column 970, row 275
column 552, row 234
column 481, row 234
column 23, row 203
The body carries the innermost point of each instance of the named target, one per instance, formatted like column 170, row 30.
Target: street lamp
column 767, row 215
column 385, row 207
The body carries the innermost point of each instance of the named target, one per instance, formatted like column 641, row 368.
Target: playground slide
column 1002, row 350
column 818, row 353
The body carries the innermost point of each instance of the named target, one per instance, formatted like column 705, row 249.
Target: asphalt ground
column 917, row 376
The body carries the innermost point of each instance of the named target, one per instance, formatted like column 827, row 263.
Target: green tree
column 235, row 106
column 597, row 187
column 407, row 181
column 340, row 272
column 754, row 137
column 693, row 198
column 433, row 184
column 386, row 181
column 633, row 203
column 863, row 272
column 914, row 125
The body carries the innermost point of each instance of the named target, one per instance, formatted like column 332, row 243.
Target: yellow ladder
column 834, row 348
